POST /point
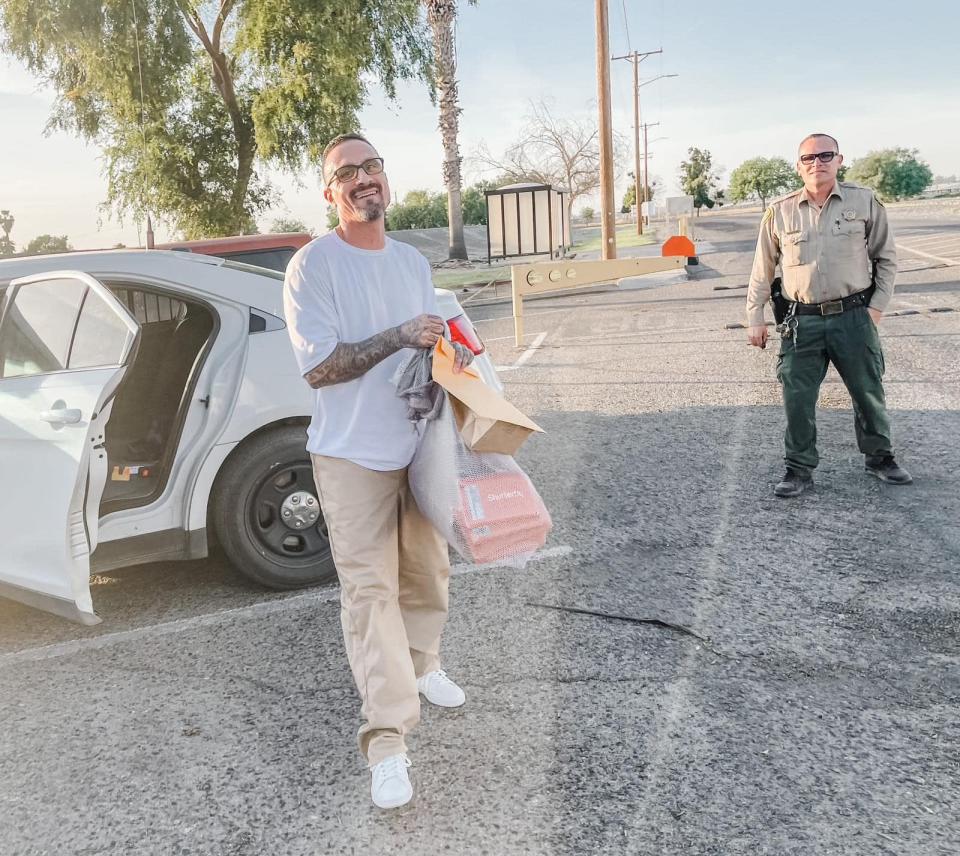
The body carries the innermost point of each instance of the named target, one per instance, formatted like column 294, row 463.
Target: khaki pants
column 394, row 571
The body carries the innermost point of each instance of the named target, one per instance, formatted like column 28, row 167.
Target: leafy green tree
column 229, row 88
column 698, row 178
column 475, row 204
column 587, row 214
column 630, row 197
column 47, row 244
column 288, row 224
column 892, row 173
column 7, row 247
column 762, row 178
column 333, row 217
column 420, row 209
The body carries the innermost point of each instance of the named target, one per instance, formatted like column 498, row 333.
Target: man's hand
column 758, row 336
column 875, row 315
column 463, row 358
column 420, row 332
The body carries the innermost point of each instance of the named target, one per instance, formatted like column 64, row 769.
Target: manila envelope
column 487, row 421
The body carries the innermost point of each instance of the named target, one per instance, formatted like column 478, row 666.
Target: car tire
column 266, row 515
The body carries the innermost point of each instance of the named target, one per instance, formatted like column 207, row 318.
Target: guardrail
column 560, row 275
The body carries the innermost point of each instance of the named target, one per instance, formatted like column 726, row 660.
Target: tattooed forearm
column 350, row 360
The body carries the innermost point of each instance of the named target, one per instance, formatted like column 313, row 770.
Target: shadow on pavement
column 820, row 715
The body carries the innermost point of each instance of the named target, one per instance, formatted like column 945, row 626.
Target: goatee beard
column 371, row 213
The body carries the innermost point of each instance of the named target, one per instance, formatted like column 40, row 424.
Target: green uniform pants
column 850, row 341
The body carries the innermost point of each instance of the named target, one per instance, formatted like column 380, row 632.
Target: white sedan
column 150, row 403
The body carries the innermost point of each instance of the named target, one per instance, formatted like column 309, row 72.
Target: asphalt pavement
column 692, row 666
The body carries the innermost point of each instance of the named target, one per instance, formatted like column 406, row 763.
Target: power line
column 626, row 24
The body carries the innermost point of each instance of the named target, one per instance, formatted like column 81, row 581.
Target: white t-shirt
column 334, row 292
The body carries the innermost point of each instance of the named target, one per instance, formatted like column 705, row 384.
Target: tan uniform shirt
column 824, row 253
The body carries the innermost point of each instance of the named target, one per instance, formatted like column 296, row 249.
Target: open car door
column 65, row 343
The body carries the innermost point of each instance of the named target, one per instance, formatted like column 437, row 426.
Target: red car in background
column 275, row 250
column 272, row 251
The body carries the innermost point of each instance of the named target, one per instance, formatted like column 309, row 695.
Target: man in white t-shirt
column 356, row 304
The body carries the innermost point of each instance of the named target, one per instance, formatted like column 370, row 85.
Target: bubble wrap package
column 481, row 502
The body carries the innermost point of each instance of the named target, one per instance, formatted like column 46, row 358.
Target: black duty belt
column 835, row 307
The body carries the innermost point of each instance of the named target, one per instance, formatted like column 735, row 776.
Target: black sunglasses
column 825, row 157
column 348, row 172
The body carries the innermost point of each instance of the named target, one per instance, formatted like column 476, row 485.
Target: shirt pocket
column 849, row 240
column 793, row 248
column 850, row 229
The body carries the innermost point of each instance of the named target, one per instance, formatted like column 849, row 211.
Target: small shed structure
column 527, row 220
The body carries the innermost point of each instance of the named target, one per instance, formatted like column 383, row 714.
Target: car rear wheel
column 267, row 515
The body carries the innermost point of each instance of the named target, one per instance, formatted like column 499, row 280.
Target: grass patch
column 480, row 275
column 587, row 240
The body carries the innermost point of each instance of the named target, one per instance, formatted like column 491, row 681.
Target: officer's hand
column 420, row 332
column 875, row 315
column 758, row 336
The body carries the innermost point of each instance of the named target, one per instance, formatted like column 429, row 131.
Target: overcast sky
column 754, row 78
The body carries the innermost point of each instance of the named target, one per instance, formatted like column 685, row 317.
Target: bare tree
column 563, row 152
column 441, row 15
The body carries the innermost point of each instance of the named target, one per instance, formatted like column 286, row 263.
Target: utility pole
column 636, row 58
column 637, row 198
column 645, row 174
column 607, row 224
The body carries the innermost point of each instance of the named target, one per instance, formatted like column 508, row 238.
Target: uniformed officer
column 838, row 263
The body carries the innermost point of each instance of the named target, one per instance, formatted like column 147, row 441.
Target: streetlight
column 641, row 198
column 653, row 79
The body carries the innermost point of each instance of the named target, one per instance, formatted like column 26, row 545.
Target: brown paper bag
column 487, row 421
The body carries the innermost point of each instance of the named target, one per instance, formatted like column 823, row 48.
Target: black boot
column 885, row 468
column 793, row 483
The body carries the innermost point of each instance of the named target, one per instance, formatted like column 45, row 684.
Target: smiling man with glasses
column 838, row 263
column 356, row 304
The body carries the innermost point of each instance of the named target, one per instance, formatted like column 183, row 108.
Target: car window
column 38, row 326
column 275, row 258
column 148, row 307
column 101, row 336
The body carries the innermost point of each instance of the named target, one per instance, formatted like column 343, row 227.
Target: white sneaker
column 440, row 690
column 391, row 786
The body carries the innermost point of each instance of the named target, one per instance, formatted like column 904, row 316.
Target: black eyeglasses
column 348, row 172
column 825, row 157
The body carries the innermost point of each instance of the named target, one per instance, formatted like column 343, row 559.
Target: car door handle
column 61, row 416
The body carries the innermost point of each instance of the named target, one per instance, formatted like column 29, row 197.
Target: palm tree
column 440, row 15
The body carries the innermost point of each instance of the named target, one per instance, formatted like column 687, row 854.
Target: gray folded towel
column 415, row 384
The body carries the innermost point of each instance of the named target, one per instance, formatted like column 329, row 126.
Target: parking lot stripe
column 669, row 734
column 942, row 259
column 255, row 610
column 525, row 355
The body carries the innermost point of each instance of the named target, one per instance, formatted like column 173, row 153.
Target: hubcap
column 300, row 509
column 285, row 516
